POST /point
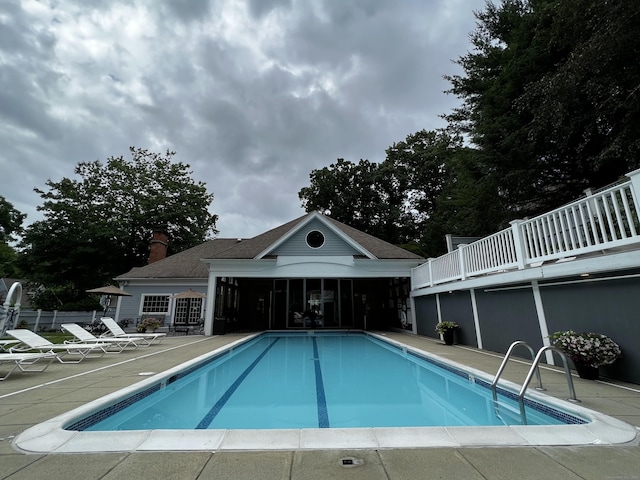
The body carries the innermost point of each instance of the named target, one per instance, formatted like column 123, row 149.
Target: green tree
column 10, row 226
column 349, row 193
column 10, row 221
column 550, row 97
column 467, row 204
column 100, row 226
column 396, row 200
column 419, row 168
column 586, row 112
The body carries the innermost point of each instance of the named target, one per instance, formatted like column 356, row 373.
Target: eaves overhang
column 311, row 267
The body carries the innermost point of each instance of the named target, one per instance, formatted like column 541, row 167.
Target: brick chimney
column 159, row 244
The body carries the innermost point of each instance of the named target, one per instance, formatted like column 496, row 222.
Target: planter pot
column 447, row 336
column 587, row 371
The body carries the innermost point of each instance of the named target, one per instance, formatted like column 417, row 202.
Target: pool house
column 312, row 272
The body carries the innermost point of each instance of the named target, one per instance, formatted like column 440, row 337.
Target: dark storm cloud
column 254, row 94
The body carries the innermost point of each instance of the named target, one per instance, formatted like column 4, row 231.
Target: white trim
column 542, row 320
column 310, row 267
column 211, row 305
column 602, row 264
column 414, row 322
column 476, row 317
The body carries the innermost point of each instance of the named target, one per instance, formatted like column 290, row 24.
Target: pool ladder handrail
column 534, row 369
column 506, row 358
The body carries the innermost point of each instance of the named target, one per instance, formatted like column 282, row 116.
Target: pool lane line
column 321, row 400
column 105, row 367
column 211, row 415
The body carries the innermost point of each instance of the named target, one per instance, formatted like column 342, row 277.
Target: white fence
column 43, row 321
column 603, row 220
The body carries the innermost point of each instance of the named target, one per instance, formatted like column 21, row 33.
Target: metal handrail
column 536, row 361
column 504, row 364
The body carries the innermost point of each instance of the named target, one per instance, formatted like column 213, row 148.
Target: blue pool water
column 294, row 381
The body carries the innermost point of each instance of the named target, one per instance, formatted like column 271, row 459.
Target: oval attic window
column 315, row 239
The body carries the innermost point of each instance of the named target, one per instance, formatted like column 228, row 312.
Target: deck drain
column 350, row 462
column 146, row 374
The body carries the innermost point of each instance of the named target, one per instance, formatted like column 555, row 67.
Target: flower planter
column 587, row 349
column 587, row 371
column 448, row 336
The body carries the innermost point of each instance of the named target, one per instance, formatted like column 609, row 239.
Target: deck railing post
column 430, row 263
column 461, row 254
column 518, row 241
column 635, row 187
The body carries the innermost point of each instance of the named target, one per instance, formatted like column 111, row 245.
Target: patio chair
column 20, row 360
column 117, row 332
column 32, row 341
column 116, row 345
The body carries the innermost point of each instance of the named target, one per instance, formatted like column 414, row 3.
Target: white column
column 430, row 272
column 461, row 259
column 211, row 304
column 518, row 242
column 542, row 320
column 412, row 315
column 476, row 320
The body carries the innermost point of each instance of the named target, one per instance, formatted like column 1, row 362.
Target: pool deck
column 27, row 399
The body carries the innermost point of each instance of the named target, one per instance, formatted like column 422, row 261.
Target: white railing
column 446, row 268
column 604, row 220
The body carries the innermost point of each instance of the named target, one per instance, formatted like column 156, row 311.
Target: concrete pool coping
column 50, row 436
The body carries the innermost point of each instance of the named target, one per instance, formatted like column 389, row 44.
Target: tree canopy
column 551, row 97
column 10, row 221
column 100, row 226
column 10, row 225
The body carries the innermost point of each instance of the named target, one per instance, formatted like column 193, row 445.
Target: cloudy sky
column 252, row 94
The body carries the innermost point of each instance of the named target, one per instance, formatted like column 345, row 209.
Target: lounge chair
column 21, row 360
column 32, row 341
column 82, row 335
column 117, row 332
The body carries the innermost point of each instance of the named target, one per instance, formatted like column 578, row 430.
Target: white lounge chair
column 22, row 360
column 32, row 341
column 116, row 345
column 117, row 332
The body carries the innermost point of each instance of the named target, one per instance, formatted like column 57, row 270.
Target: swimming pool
column 324, row 380
column 318, row 390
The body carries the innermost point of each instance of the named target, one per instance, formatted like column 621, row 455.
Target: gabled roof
column 307, row 219
column 188, row 264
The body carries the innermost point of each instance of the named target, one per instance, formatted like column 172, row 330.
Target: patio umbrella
column 189, row 294
column 107, row 292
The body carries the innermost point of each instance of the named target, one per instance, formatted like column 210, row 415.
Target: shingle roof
column 188, row 264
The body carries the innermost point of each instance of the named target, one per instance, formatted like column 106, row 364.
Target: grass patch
column 57, row 337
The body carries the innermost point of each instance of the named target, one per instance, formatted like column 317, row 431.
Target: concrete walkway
column 28, row 399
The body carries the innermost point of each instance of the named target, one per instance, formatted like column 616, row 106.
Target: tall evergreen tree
column 550, row 96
